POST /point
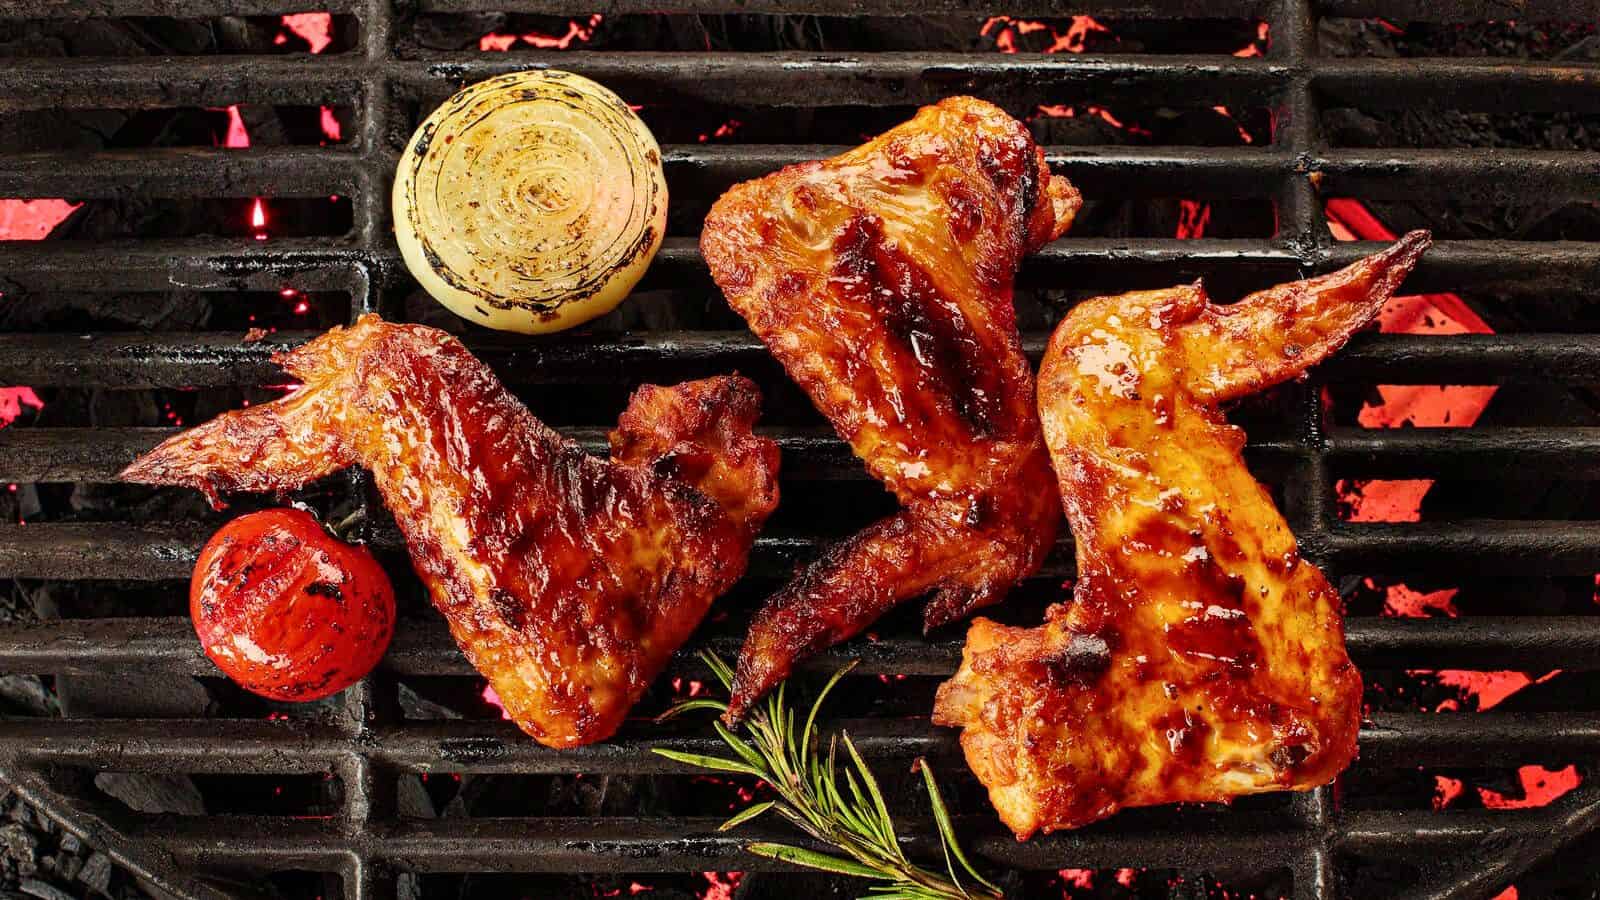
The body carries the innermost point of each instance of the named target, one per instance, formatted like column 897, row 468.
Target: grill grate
column 366, row 744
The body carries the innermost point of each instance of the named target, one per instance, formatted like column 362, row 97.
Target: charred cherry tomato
column 287, row 610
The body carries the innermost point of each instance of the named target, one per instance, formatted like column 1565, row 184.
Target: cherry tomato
column 287, row 610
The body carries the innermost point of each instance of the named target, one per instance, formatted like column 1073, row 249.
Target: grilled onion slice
column 530, row 202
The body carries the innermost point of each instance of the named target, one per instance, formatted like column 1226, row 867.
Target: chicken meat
column 567, row 580
column 1200, row 658
column 881, row 279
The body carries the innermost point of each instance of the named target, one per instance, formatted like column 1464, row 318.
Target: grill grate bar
column 423, row 648
column 147, row 552
column 813, row 80
column 211, row 746
column 1393, row 10
column 150, row 360
column 700, row 173
column 1515, row 268
column 95, row 455
column 693, row 845
column 95, row 9
column 1138, row 8
column 183, row 172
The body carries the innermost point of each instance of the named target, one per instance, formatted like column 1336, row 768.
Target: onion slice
column 530, row 202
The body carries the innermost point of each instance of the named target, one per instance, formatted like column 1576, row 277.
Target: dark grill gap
column 365, row 744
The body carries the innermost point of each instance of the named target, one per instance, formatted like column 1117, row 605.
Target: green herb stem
column 836, row 802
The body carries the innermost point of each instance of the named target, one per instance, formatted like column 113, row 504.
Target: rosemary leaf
column 707, row 762
column 837, row 804
column 947, row 831
column 691, row 706
column 745, row 816
column 811, row 859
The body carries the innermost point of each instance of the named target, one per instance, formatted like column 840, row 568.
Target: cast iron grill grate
column 366, row 745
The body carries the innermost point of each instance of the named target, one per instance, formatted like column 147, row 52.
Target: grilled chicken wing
column 1201, row 658
column 881, row 279
column 568, row 580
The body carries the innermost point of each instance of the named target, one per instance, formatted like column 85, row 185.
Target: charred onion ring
column 530, row 202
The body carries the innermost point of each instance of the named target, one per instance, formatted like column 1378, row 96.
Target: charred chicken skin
column 1201, row 659
column 567, row 580
column 881, row 279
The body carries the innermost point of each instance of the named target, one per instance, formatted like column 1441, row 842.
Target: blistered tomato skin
column 287, row 610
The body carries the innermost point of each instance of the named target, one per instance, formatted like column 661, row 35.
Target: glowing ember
column 315, row 28
column 27, row 220
column 1057, row 111
column 687, row 686
column 722, row 885
column 493, row 699
column 577, row 32
column 1005, row 30
column 13, row 399
column 1077, row 878
column 32, row 220
column 1509, row 893
column 1540, row 787
column 1226, row 114
column 258, row 219
column 1446, row 790
column 238, row 135
column 726, row 129
column 1259, row 45
column 330, row 125
column 1488, row 689
column 1193, row 217
column 1404, row 602
column 1403, row 405
column 1125, row 877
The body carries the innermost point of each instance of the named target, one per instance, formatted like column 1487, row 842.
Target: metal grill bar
column 1481, row 547
column 209, row 746
column 884, row 79
column 98, row 9
column 97, row 454
column 1394, row 10
column 701, row 173
column 1513, row 268
column 160, row 644
column 220, row 360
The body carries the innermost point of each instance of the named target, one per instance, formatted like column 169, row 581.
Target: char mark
column 945, row 350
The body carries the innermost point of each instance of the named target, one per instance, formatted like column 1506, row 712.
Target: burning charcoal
column 159, row 696
column 787, row 885
column 96, row 873
column 66, row 866
column 27, row 695
column 33, row 887
column 455, row 32
column 153, row 792
column 18, row 849
column 602, row 795
column 416, row 707
column 177, row 311
column 463, row 804
column 413, row 801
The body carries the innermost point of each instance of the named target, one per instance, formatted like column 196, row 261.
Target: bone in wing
column 882, row 280
column 568, row 580
column 1200, row 658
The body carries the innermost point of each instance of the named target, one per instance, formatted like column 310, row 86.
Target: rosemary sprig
column 837, row 804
